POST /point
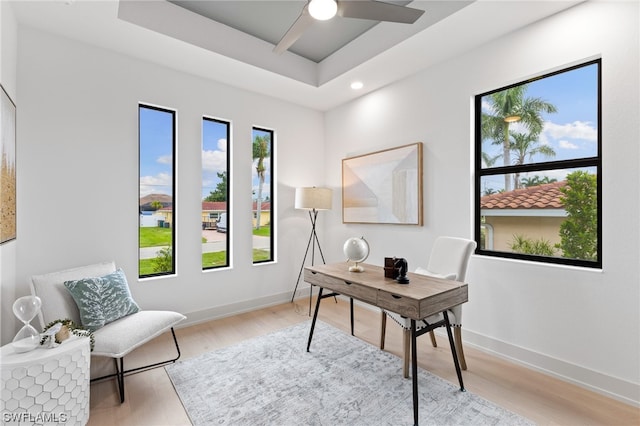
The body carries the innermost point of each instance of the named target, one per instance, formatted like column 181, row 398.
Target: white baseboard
column 613, row 387
column 218, row 312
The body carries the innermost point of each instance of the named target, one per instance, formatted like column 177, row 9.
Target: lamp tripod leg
column 313, row 241
column 303, row 261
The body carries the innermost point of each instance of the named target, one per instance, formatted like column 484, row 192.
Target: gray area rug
column 272, row 380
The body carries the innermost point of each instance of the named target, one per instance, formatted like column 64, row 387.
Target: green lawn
column 265, row 231
column 209, row 260
column 154, row 236
column 259, row 255
column 158, row 237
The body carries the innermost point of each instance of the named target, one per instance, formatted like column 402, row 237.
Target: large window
column 262, row 195
column 156, row 138
column 216, row 209
column 538, row 169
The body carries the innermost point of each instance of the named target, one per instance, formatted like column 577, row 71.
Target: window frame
column 272, row 251
column 592, row 162
column 229, row 204
column 174, row 121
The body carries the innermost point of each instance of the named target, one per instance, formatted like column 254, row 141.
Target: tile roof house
column 534, row 212
column 211, row 211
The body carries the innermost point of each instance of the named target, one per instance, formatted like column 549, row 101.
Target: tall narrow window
column 538, row 169
column 216, row 209
column 262, row 195
column 156, row 138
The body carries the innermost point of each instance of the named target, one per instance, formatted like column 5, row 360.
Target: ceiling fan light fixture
column 323, row 9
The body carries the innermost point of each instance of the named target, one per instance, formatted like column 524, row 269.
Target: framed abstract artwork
column 383, row 186
column 8, row 173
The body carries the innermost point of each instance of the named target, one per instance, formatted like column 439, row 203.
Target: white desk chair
column 113, row 340
column 449, row 259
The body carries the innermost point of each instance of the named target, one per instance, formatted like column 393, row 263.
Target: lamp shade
column 313, row 198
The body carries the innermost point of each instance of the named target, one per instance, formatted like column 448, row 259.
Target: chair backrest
column 451, row 255
column 57, row 302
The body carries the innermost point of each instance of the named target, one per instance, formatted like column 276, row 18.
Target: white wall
column 8, row 48
column 78, row 174
column 77, row 153
column 581, row 324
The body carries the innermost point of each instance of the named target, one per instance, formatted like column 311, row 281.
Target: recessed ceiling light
column 357, row 85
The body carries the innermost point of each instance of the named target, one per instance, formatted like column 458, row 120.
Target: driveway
column 216, row 241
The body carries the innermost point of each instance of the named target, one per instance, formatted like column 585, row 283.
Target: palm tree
column 260, row 152
column 488, row 160
column 527, row 144
column 509, row 106
column 536, row 180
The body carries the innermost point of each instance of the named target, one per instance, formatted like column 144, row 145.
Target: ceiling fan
column 360, row 9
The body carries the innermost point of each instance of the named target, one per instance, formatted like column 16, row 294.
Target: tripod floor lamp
column 312, row 199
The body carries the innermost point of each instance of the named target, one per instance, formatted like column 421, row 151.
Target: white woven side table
column 46, row 386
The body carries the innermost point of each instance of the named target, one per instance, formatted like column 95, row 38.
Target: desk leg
column 351, row 306
column 315, row 317
column 414, row 371
column 453, row 350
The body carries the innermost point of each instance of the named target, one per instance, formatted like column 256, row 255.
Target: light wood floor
column 151, row 399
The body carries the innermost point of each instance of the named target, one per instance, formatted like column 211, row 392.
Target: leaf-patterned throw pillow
column 102, row 300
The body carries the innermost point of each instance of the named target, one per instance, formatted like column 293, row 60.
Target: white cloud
column 577, row 130
column 215, row 161
column 165, row 159
column 158, row 184
column 518, row 127
column 159, row 179
column 565, row 144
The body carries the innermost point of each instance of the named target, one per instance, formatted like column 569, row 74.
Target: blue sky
column 156, row 154
column 572, row 130
column 156, row 134
column 214, row 153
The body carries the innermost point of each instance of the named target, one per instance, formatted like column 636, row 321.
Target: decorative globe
column 357, row 250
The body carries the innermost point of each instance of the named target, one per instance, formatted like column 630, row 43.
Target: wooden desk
column 422, row 297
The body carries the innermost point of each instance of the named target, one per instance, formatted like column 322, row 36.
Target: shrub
column 540, row 247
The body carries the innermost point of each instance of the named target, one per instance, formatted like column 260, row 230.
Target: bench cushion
column 120, row 337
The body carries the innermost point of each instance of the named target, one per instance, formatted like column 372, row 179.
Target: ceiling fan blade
column 378, row 11
column 303, row 22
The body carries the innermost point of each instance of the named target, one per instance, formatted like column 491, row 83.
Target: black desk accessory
column 396, row 268
column 402, row 266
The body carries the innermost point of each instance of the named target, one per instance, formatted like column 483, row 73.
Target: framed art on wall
column 8, row 173
column 383, row 186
